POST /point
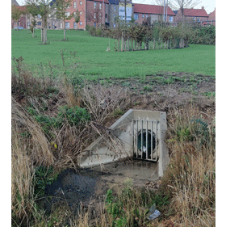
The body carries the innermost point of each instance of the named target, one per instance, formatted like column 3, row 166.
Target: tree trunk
column 17, row 25
column 33, row 35
column 64, row 33
column 118, row 44
column 44, row 35
column 122, row 43
column 154, row 44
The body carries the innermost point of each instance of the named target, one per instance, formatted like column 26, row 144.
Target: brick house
column 97, row 12
column 212, row 17
column 143, row 12
column 192, row 15
column 92, row 12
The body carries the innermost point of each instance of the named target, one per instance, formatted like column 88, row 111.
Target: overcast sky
column 209, row 5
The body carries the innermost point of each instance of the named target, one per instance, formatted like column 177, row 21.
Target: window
column 95, row 5
column 194, row 18
column 75, row 5
column 94, row 15
column 80, row 2
column 114, row 25
column 100, row 16
column 80, row 22
column 81, row 13
column 95, row 24
column 100, row 6
column 114, row 15
column 39, row 16
column 136, row 16
column 67, row 14
column 142, row 15
column 75, row 25
column 198, row 19
column 171, row 19
column 146, row 15
column 39, row 23
column 106, row 16
column 67, row 25
column 115, row 7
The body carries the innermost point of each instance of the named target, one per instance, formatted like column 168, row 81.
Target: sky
column 209, row 5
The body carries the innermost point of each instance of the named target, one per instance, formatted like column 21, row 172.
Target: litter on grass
column 153, row 212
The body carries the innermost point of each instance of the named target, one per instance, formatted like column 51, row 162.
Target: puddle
column 89, row 186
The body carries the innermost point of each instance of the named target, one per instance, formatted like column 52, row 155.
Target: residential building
column 212, row 18
column 192, row 15
column 97, row 13
column 113, row 12
column 153, row 13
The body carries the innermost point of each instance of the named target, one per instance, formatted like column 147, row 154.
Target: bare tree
column 95, row 16
column 43, row 9
column 32, row 8
column 183, row 4
column 61, row 7
column 77, row 16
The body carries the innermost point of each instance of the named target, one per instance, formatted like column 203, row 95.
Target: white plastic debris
column 153, row 212
column 154, row 215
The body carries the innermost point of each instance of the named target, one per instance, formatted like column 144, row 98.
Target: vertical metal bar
column 151, row 139
column 142, row 139
column 137, row 141
column 156, row 137
column 147, row 140
column 133, row 137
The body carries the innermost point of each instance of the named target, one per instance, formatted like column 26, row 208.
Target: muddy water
column 83, row 187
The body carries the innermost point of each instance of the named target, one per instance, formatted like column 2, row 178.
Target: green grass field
column 93, row 62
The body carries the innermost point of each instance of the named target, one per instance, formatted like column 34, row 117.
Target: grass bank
column 86, row 56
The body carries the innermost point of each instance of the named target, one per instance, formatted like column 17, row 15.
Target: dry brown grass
column 103, row 101
column 190, row 177
column 21, row 180
column 38, row 148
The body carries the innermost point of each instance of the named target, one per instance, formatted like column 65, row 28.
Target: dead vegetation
column 40, row 136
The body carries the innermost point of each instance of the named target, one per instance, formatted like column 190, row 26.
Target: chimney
column 202, row 7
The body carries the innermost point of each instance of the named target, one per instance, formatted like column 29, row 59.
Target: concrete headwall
column 102, row 151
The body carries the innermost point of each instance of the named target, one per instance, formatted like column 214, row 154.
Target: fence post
column 122, row 42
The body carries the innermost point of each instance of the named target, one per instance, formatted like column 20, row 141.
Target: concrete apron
column 100, row 152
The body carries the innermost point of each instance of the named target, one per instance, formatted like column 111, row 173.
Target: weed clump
column 73, row 115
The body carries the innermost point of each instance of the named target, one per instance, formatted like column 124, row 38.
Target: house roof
column 14, row 2
column 195, row 13
column 116, row 2
column 101, row 1
column 212, row 15
column 151, row 9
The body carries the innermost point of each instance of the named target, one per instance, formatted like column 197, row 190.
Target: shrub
column 43, row 176
column 203, row 35
column 73, row 115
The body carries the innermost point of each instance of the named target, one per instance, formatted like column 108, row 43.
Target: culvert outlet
column 138, row 133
